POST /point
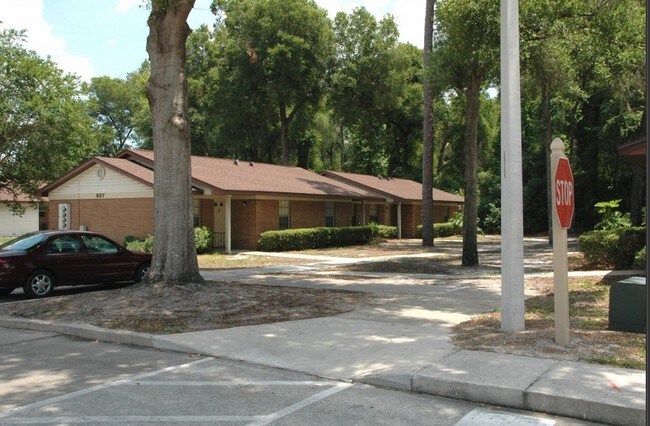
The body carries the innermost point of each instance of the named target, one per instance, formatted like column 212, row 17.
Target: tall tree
column 114, row 102
column 174, row 260
column 45, row 129
column 282, row 49
column 469, row 40
column 376, row 94
column 427, row 132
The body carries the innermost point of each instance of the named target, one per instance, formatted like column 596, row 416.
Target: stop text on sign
column 563, row 192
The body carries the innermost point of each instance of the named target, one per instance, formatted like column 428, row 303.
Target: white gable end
column 101, row 182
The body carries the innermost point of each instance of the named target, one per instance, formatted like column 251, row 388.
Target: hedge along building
column 236, row 200
column 405, row 207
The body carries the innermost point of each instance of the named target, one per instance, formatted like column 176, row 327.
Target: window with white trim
column 329, row 214
column 283, row 213
column 196, row 211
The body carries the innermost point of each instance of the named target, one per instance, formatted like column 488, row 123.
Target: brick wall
column 307, row 214
column 115, row 218
column 250, row 220
column 207, row 214
column 342, row 214
column 411, row 218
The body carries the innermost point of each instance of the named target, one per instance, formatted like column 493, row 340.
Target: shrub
column 615, row 248
column 443, row 229
column 383, row 231
column 611, row 217
column 140, row 244
column 491, row 222
column 640, row 258
column 311, row 238
column 203, row 239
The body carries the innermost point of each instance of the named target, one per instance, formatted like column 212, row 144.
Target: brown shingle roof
column 242, row 177
column 398, row 189
column 8, row 196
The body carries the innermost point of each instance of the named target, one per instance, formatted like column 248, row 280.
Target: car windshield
column 26, row 242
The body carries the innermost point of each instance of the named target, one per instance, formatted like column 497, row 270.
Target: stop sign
column 563, row 185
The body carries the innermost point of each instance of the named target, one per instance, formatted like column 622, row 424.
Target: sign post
column 563, row 209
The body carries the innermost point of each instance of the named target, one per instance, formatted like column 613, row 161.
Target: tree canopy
column 280, row 82
column 45, row 127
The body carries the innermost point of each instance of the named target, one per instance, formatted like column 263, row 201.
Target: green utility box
column 627, row 305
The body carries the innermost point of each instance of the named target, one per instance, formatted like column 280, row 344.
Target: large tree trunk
column 174, row 260
column 427, row 133
column 470, row 211
column 284, row 133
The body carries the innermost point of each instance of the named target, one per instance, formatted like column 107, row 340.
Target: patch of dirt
column 589, row 339
column 173, row 309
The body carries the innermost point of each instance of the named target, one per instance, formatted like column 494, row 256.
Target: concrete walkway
column 403, row 344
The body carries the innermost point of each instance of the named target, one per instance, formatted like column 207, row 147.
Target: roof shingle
column 399, row 189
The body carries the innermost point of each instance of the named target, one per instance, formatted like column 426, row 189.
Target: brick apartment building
column 237, row 200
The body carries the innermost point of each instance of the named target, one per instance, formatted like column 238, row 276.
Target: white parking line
column 251, row 420
column 75, row 394
column 300, row 405
column 235, row 383
column 482, row 417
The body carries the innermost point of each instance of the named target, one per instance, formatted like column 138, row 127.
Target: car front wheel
column 39, row 284
column 141, row 272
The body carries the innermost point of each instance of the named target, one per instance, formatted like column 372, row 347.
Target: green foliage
column 45, row 130
column 139, row 244
column 640, row 258
column 376, row 95
column 115, row 103
column 491, row 222
column 445, row 229
column 312, row 238
column 489, row 210
column 261, row 72
column 611, row 217
column 615, row 248
column 203, row 239
column 383, row 231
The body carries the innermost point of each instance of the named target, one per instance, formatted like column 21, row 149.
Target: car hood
column 11, row 253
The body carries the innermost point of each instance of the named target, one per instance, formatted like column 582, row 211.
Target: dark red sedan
column 39, row 261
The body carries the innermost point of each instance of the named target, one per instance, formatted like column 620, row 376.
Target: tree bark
column 427, row 133
column 470, row 210
column 284, row 133
column 174, row 260
column 547, row 137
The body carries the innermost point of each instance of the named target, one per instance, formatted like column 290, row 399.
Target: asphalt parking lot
column 52, row 379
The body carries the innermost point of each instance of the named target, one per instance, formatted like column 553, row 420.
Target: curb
column 508, row 380
column 83, row 331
